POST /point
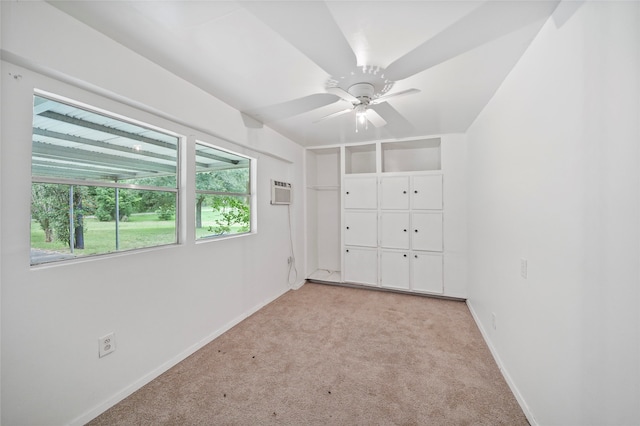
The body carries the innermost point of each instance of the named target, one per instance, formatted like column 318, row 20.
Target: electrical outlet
column 107, row 344
column 494, row 322
column 523, row 268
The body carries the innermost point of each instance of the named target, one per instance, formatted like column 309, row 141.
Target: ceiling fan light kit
column 361, row 117
column 363, row 93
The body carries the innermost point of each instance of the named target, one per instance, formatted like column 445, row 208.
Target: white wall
column 553, row 177
column 162, row 304
column 0, row 226
column 454, row 193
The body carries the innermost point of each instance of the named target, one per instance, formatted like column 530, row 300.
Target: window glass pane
column 154, row 226
column 218, row 215
column 73, row 147
column 73, row 143
column 229, row 180
column 221, row 171
column 223, row 192
column 74, row 221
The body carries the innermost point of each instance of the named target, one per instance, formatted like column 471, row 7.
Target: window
column 223, row 192
column 100, row 184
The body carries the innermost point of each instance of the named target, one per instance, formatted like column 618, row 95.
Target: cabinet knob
column 415, row 255
column 405, row 255
column 415, row 192
column 347, row 227
column 347, row 251
column 404, row 230
column 347, row 192
column 404, row 192
column 415, row 230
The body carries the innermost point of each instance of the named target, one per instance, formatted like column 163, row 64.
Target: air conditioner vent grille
column 280, row 192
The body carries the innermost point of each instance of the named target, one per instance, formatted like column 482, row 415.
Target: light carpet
column 330, row 355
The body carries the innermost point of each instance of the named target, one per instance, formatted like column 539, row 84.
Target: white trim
column 503, row 370
column 299, row 284
column 103, row 184
column 138, row 384
column 389, row 140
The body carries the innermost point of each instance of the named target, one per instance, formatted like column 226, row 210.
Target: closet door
column 361, row 228
column 394, row 193
column 394, row 269
column 394, row 230
column 426, row 192
column 361, row 265
column 360, row 192
column 426, row 272
column 426, row 231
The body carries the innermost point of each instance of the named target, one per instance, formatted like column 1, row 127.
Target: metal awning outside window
column 72, row 143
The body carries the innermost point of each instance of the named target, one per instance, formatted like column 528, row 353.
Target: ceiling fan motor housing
column 363, row 91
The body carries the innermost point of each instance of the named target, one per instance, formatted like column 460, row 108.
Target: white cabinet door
column 394, row 230
column 394, row 193
column 426, row 192
column 360, row 192
column 394, row 269
column 426, row 231
column 361, row 265
column 361, row 228
column 427, row 272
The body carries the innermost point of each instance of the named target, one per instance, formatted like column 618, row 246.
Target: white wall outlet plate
column 107, row 344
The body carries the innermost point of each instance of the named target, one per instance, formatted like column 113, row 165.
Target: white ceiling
column 275, row 60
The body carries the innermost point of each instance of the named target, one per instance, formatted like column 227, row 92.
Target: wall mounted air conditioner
column 280, row 192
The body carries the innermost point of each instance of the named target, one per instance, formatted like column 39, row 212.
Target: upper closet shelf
column 324, row 187
column 392, row 157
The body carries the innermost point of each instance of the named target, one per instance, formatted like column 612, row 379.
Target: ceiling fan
column 367, row 87
column 361, row 96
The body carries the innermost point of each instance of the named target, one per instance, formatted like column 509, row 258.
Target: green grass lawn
column 209, row 217
column 140, row 230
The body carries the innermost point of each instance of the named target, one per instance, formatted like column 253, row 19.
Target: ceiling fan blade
column 343, row 94
column 488, row 22
column 335, row 114
column 288, row 109
column 310, row 27
column 397, row 125
column 394, row 95
column 375, row 118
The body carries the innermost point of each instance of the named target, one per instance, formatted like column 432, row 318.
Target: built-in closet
column 375, row 215
column 323, row 209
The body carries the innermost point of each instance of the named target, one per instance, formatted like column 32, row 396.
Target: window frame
column 250, row 194
column 175, row 190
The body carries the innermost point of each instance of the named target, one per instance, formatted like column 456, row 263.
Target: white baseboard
column 299, row 284
column 503, row 370
column 119, row 396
